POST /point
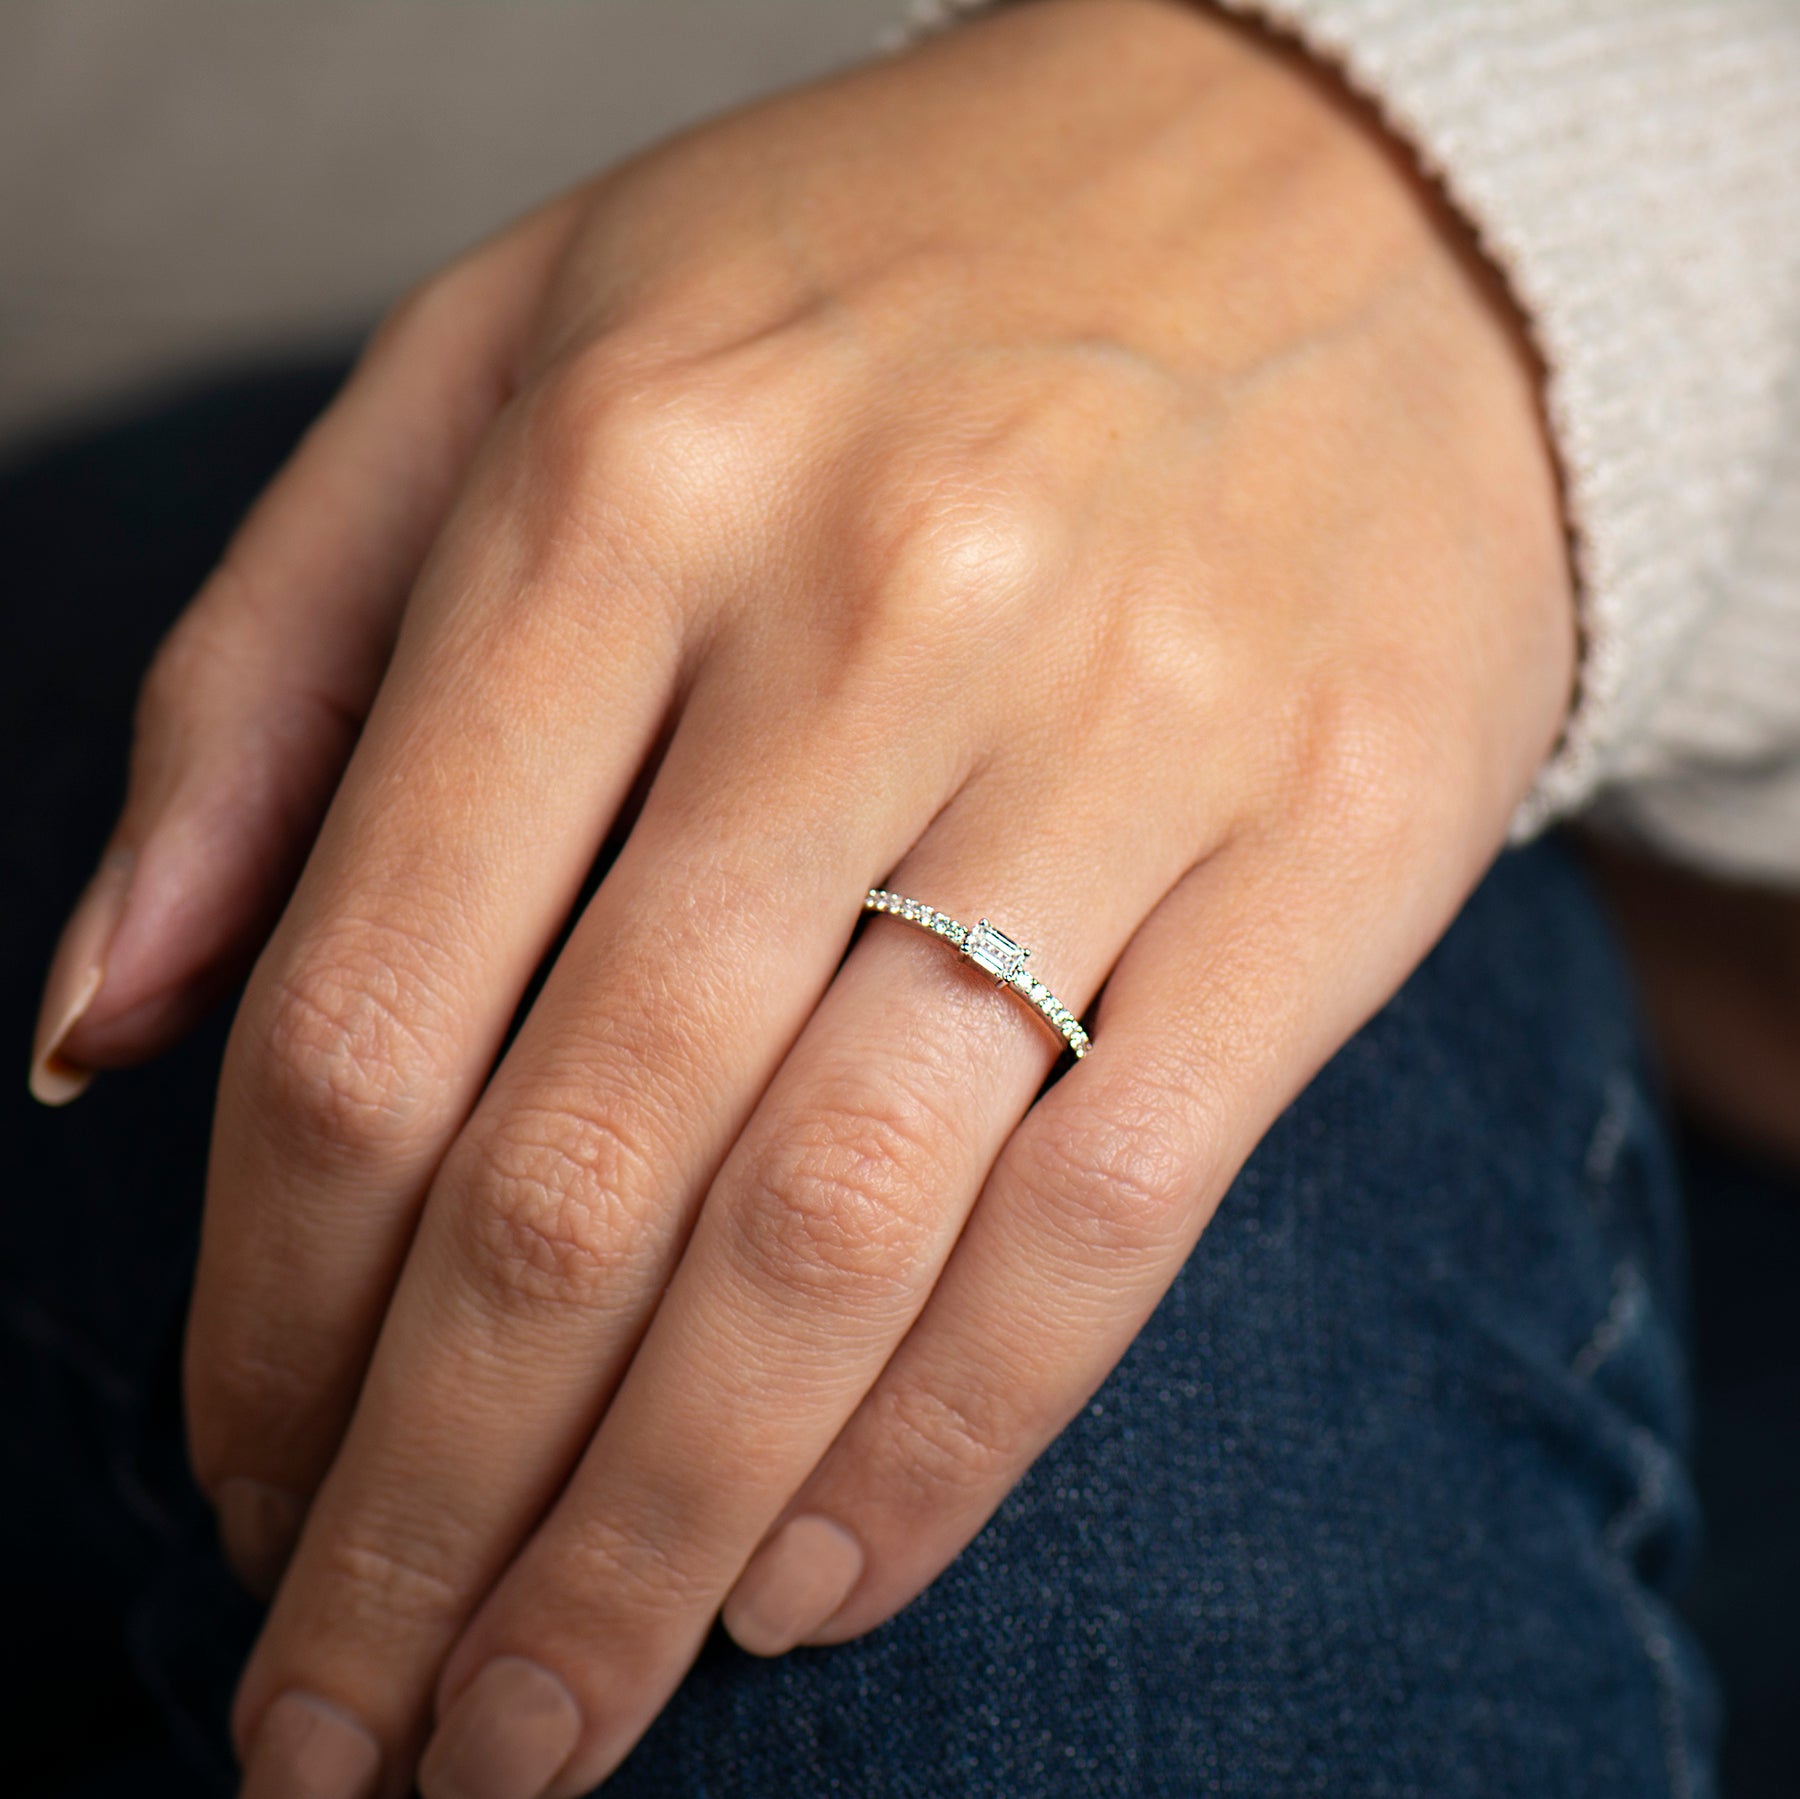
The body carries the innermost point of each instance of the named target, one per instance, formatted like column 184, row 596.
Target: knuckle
column 837, row 1206
column 937, row 1443
column 612, row 433
column 433, row 305
column 240, row 1393
column 1371, row 757
column 574, row 414
column 543, row 1209
column 635, row 1569
column 928, row 537
column 1113, row 1183
column 193, row 656
column 648, row 1565
column 393, row 1577
column 1165, row 652
column 344, row 1064
column 972, row 523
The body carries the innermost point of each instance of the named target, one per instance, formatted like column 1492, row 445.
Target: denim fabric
column 1384, row 1498
column 1388, row 1498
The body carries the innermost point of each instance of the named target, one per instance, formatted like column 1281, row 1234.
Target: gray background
column 184, row 181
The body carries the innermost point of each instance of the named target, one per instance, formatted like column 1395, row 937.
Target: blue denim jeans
column 1389, row 1497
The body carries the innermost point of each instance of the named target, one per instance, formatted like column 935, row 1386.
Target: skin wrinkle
column 1143, row 650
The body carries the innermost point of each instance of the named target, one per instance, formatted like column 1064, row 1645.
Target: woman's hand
column 1071, row 473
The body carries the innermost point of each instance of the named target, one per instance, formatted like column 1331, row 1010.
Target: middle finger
column 554, row 1221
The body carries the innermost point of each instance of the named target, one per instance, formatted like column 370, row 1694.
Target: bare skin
column 1117, row 506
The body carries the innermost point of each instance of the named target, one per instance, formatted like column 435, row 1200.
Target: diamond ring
column 994, row 953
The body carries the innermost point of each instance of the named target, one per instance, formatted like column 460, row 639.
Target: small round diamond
column 992, row 951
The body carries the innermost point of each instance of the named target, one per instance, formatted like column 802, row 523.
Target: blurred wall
column 184, row 181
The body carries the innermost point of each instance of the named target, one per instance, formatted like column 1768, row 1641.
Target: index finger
column 525, row 697
column 251, row 705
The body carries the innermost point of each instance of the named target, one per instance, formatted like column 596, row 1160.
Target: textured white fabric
column 1632, row 167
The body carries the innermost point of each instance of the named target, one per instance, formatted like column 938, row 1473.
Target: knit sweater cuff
column 1629, row 168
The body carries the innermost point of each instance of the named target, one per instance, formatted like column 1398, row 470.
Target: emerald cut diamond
column 994, row 952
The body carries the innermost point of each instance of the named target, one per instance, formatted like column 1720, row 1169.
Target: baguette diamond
column 995, row 954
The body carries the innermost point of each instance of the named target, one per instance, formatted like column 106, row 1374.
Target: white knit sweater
column 1632, row 168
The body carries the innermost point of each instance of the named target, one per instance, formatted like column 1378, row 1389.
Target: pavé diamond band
column 994, row 953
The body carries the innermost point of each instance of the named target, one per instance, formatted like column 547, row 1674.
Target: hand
column 1072, row 473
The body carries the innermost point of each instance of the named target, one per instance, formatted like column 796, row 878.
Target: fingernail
column 306, row 1748
column 258, row 1527
column 75, row 975
column 793, row 1584
column 506, row 1737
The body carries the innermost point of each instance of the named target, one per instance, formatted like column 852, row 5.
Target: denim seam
column 1611, row 1129
column 1627, row 1310
column 1623, row 1534
column 1628, row 1306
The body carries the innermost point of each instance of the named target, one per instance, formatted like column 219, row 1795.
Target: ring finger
column 818, row 1243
